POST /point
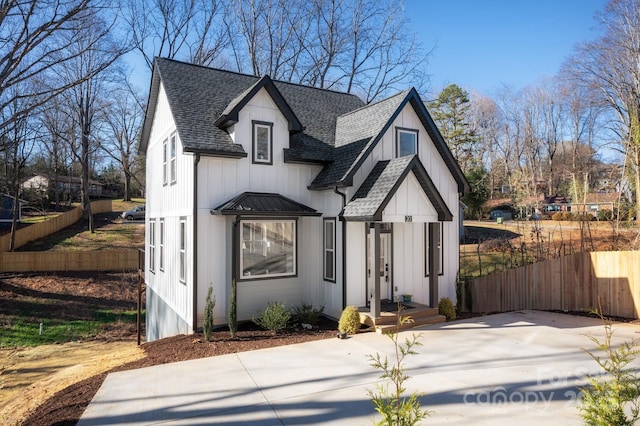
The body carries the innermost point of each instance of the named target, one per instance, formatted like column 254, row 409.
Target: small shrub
column 307, row 314
column 209, row 304
column 557, row 216
column 446, row 308
column 274, row 318
column 349, row 320
column 387, row 397
column 612, row 398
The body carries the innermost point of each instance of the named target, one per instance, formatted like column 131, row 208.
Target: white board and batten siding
column 409, row 251
column 169, row 204
column 219, row 180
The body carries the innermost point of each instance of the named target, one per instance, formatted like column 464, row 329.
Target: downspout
column 344, row 246
column 195, row 242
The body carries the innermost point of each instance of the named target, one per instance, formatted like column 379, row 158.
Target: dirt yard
column 53, row 384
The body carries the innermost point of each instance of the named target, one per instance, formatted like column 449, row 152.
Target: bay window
column 267, row 248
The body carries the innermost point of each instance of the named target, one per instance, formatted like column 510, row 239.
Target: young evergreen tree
column 450, row 112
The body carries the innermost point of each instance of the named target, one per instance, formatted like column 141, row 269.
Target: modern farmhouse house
column 299, row 194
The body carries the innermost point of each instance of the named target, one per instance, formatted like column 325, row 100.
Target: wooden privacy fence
column 569, row 283
column 51, row 226
column 62, row 261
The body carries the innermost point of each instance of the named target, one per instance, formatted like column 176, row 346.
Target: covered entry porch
column 393, row 232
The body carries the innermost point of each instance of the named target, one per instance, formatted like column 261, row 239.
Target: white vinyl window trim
column 268, row 248
column 162, row 232
column 165, row 171
column 172, row 158
column 183, row 250
column 152, row 245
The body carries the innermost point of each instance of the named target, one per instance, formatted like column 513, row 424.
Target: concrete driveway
column 522, row 368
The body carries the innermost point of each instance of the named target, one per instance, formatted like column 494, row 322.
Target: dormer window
column 406, row 142
column 262, row 145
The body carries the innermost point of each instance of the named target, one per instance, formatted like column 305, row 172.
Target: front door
column 385, row 267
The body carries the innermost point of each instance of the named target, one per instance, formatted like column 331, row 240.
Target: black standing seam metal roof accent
column 381, row 184
column 264, row 204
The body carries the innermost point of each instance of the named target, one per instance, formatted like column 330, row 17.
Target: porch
column 388, row 319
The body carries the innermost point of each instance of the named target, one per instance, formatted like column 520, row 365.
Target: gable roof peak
column 230, row 114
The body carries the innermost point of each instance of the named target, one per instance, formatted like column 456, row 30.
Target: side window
column 406, row 142
column 183, row 250
column 164, row 162
column 262, row 142
column 329, row 249
column 172, row 160
column 152, row 245
column 162, row 244
column 440, row 248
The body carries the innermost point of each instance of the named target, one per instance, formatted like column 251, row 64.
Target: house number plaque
column 408, row 218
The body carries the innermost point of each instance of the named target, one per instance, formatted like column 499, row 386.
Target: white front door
column 385, row 266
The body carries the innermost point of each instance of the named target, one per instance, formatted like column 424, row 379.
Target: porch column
column 434, row 262
column 374, row 252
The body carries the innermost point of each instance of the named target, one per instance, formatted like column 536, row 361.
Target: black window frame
column 400, row 130
column 241, row 247
column 426, row 250
column 325, row 276
column 254, row 140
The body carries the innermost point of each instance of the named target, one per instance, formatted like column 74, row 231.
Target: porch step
column 432, row 319
column 420, row 315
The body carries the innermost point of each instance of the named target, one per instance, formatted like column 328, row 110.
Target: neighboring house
column 6, row 208
column 67, row 186
column 596, row 202
column 502, row 214
column 297, row 193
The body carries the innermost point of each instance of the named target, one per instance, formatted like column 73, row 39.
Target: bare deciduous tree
column 34, row 45
column 124, row 118
column 93, row 53
column 609, row 66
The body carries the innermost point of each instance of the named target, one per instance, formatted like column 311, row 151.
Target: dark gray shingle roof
column 379, row 187
column 338, row 130
column 260, row 204
column 198, row 96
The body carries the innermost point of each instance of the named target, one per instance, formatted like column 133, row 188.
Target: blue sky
column 483, row 44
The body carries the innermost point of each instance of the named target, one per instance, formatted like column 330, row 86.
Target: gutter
column 344, row 246
column 195, row 242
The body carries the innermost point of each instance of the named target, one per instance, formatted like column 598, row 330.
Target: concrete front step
column 431, row 319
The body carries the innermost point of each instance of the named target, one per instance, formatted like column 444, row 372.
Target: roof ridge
column 258, row 77
column 405, row 92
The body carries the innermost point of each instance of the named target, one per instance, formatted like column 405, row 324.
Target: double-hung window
column 152, row 245
column 164, row 162
column 262, row 142
column 329, row 249
column 267, row 248
column 172, row 158
column 162, row 244
column 183, row 250
column 406, row 142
